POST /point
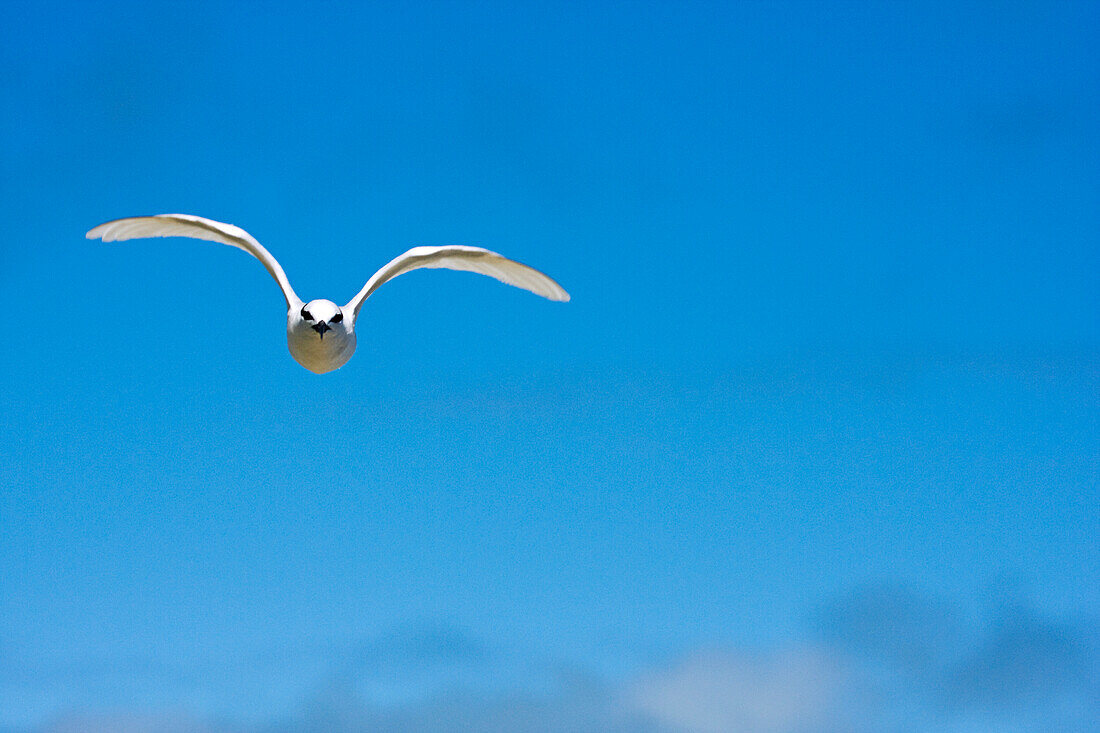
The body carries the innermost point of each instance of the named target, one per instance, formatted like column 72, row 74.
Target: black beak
column 320, row 327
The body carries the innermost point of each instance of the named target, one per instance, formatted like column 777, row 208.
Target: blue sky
column 815, row 447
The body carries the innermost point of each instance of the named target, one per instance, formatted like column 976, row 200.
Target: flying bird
column 321, row 334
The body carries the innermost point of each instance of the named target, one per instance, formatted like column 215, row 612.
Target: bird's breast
column 320, row 355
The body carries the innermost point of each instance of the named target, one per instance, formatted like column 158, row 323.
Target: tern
column 321, row 334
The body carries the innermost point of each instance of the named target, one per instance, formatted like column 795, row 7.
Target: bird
column 320, row 334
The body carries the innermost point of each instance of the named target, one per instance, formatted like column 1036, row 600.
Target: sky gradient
column 815, row 446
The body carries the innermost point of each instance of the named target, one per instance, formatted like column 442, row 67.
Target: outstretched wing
column 195, row 227
column 470, row 259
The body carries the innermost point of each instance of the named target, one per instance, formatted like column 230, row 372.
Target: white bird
column 308, row 324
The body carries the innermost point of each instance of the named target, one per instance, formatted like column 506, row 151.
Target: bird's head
column 323, row 316
column 320, row 336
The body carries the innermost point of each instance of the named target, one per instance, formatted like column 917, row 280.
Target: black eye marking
column 336, row 318
column 305, row 314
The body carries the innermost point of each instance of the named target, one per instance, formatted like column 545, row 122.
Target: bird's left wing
column 195, row 227
column 470, row 259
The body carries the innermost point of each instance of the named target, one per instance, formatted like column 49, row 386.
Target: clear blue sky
column 815, row 447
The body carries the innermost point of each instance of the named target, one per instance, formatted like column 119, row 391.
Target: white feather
column 195, row 227
column 469, row 259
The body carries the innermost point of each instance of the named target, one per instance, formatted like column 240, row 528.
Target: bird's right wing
column 195, row 227
column 470, row 259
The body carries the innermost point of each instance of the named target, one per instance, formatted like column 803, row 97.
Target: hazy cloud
column 893, row 624
column 711, row 692
column 1027, row 668
column 881, row 658
column 123, row 722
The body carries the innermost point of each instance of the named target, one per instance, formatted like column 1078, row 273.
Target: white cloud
column 715, row 692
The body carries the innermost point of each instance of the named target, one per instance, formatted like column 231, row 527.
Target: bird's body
column 321, row 334
column 320, row 348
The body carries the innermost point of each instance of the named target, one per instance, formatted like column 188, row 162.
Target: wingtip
column 96, row 232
